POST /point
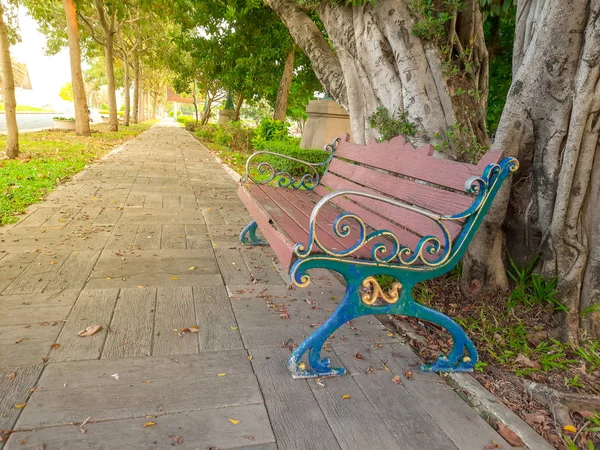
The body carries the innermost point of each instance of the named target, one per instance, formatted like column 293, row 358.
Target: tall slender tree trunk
column 284, row 86
column 153, row 106
column 126, row 89
column 136, row 88
column 195, row 97
column 238, row 108
column 82, row 118
column 8, row 91
column 110, row 77
column 147, row 95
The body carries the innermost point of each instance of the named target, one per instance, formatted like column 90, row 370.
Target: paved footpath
column 145, row 244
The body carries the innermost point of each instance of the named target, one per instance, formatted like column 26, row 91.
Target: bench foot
column 320, row 367
column 455, row 361
column 248, row 235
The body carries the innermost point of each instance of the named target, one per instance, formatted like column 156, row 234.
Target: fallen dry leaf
column 511, row 437
column 570, row 428
column 192, row 268
column 408, row 374
column 234, row 421
column 90, row 331
column 20, row 340
column 55, row 346
column 234, row 328
column 149, row 424
column 250, row 438
column 52, row 262
column 20, row 405
column 221, row 374
column 533, row 419
column 194, row 329
column 23, row 442
column 174, row 278
column 147, row 381
column 397, row 380
column 177, row 439
column 358, row 356
column 345, row 397
column 11, row 376
column 586, row 414
column 524, row 361
column 250, row 358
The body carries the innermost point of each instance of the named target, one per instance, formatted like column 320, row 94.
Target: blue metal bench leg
column 248, row 235
column 455, row 361
column 319, row 367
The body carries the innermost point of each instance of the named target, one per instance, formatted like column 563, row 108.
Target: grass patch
column 23, row 108
column 48, row 158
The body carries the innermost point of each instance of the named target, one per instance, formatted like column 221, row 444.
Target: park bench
column 380, row 209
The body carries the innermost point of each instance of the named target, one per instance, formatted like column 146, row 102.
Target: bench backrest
column 412, row 175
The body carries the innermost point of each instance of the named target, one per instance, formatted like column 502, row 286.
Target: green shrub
column 292, row 149
column 206, row 132
column 106, row 112
column 104, row 106
column 392, row 125
column 270, row 130
column 171, row 113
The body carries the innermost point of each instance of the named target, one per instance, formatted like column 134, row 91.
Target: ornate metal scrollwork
column 431, row 251
column 369, row 298
column 283, row 178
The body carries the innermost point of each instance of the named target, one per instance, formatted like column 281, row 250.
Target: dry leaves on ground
column 511, row 437
column 90, row 331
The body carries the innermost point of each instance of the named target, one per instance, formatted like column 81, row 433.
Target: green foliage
column 66, row 92
column 574, row 382
column 531, row 289
column 391, row 125
column 432, row 17
column 270, row 130
column 499, row 33
column 70, row 119
column 463, row 140
column 104, row 107
column 589, row 351
column 293, row 149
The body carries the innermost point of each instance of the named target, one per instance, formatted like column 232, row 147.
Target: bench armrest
column 393, row 252
column 308, row 180
column 431, row 251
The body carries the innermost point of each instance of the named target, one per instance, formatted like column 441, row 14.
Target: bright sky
column 48, row 73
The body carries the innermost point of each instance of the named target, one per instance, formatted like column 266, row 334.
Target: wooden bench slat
column 437, row 200
column 399, row 156
column 278, row 237
column 416, row 222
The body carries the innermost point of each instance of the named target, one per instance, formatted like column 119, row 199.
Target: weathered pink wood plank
column 438, row 200
column 416, row 222
column 406, row 238
column 300, row 212
column 278, row 239
column 401, row 157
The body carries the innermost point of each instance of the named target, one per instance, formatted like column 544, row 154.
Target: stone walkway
column 145, row 244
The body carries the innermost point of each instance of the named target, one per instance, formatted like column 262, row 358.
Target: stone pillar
column 326, row 121
column 225, row 115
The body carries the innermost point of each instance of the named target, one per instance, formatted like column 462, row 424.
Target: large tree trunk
column 377, row 61
column 82, row 117
column 550, row 123
column 136, row 88
column 8, row 91
column 284, row 87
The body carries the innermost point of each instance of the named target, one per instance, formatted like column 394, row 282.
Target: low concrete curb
column 493, row 411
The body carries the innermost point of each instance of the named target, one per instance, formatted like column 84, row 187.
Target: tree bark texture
column 136, row 89
column 82, row 117
column 108, row 27
column 376, row 60
column 550, row 123
column 283, row 93
column 126, row 89
column 238, row 108
column 8, row 91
